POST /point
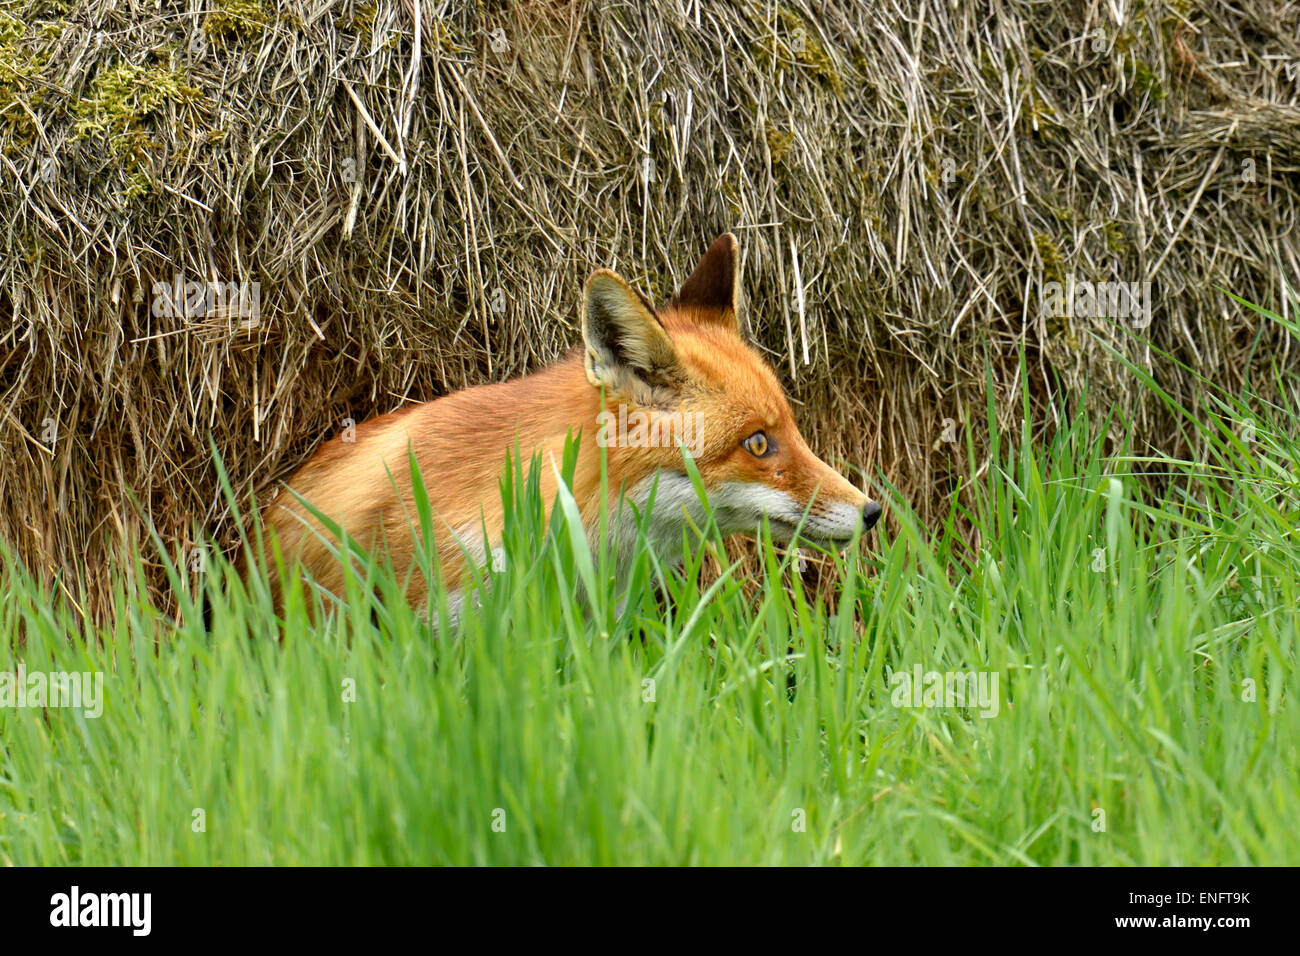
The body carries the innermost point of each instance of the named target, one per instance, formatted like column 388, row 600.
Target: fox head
column 682, row 374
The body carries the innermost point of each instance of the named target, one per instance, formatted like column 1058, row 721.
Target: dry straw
column 418, row 189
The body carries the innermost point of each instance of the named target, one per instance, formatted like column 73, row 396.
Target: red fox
column 645, row 383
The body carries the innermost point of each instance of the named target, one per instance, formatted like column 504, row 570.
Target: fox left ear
column 713, row 289
column 627, row 350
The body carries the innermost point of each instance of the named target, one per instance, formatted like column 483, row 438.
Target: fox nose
column 870, row 515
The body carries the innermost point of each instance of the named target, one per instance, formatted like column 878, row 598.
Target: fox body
column 645, row 382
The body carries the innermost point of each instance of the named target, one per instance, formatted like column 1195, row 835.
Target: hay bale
column 415, row 200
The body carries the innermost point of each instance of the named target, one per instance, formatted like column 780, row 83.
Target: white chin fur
column 742, row 505
column 739, row 507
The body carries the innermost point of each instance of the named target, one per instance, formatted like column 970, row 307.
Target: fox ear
column 628, row 351
column 713, row 289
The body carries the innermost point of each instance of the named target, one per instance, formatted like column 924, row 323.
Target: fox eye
column 758, row 445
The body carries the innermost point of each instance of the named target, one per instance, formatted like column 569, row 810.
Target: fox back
column 645, row 383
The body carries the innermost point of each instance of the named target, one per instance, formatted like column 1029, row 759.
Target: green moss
column 11, row 28
column 1114, row 234
column 138, row 184
column 810, row 52
column 657, row 115
column 444, row 36
column 21, row 91
column 124, row 96
column 1125, row 42
column 365, row 17
column 872, row 172
column 236, row 21
column 1058, row 326
column 934, row 173
column 1039, row 118
column 779, row 142
column 32, row 248
column 361, row 23
column 732, row 189
column 121, row 108
column 800, row 47
column 1063, row 214
column 1053, row 264
column 1145, row 80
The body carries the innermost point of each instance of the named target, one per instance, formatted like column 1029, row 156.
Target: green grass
column 1122, row 628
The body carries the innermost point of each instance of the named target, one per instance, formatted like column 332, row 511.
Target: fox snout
column 836, row 522
column 836, row 509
